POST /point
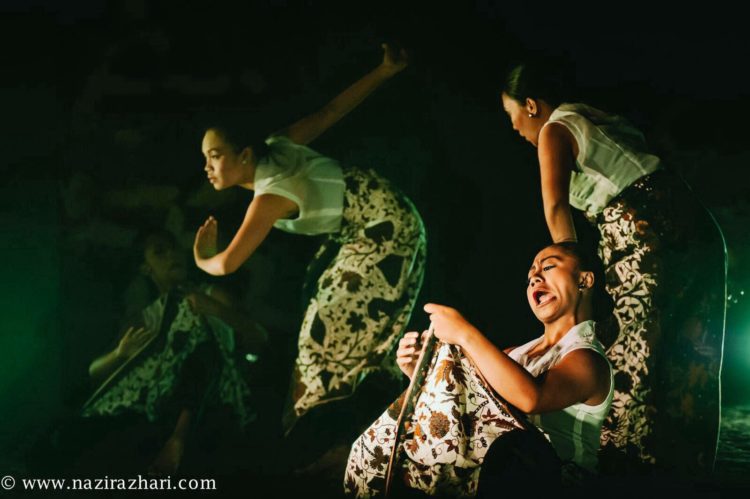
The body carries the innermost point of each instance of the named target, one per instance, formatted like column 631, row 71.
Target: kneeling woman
column 473, row 392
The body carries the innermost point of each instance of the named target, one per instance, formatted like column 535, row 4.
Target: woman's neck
column 554, row 331
column 247, row 178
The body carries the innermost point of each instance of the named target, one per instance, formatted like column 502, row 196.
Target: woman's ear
column 586, row 280
column 247, row 156
column 532, row 107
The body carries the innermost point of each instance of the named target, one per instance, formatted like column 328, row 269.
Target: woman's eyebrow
column 543, row 259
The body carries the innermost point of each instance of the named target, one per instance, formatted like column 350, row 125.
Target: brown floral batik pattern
column 364, row 297
column 456, row 418
column 665, row 270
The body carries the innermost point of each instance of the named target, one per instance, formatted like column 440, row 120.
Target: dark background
column 100, row 104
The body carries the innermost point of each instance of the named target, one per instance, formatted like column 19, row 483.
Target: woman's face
column 528, row 127
column 553, row 282
column 223, row 164
column 163, row 262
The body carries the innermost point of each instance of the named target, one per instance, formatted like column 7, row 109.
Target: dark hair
column 236, row 128
column 589, row 261
column 537, row 79
column 147, row 237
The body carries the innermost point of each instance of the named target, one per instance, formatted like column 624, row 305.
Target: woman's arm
column 311, row 127
column 130, row 344
column 556, row 160
column 581, row 376
column 168, row 460
column 263, row 211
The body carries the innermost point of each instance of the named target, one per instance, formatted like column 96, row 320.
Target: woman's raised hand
column 205, row 239
column 394, row 59
column 409, row 348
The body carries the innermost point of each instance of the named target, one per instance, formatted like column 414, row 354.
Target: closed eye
column 549, row 267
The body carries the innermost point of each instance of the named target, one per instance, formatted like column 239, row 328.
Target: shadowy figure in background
column 171, row 382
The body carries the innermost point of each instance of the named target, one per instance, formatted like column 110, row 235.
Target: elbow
column 221, row 266
column 528, row 403
column 228, row 267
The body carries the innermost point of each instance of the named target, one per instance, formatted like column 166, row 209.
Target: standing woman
column 665, row 270
column 365, row 295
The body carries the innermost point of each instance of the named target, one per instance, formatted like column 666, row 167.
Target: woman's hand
column 394, row 60
column 409, row 348
column 205, row 239
column 448, row 324
column 132, row 341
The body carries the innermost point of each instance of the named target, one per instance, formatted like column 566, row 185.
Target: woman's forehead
column 212, row 140
column 550, row 253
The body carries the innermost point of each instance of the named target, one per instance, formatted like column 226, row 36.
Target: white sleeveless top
column 574, row 432
column 611, row 155
column 314, row 182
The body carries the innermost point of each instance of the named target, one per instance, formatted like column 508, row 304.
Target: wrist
column 385, row 71
column 469, row 337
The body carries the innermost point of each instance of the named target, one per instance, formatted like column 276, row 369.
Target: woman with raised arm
column 366, row 293
column 665, row 270
column 475, row 393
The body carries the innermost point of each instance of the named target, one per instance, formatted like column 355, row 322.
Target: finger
column 406, row 361
column 432, row 308
column 405, row 352
column 138, row 332
column 411, row 340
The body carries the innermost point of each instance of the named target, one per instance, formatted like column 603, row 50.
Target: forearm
column 220, row 264
column 309, row 128
column 505, row 376
column 105, row 365
column 560, row 222
column 183, row 425
column 356, row 93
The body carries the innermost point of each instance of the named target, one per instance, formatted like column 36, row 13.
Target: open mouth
column 542, row 297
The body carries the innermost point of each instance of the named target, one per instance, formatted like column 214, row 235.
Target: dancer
column 562, row 378
column 365, row 295
column 665, row 270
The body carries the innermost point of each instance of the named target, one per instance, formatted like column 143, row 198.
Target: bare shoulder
column 588, row 366
column 279, row 206
column 557, row 137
